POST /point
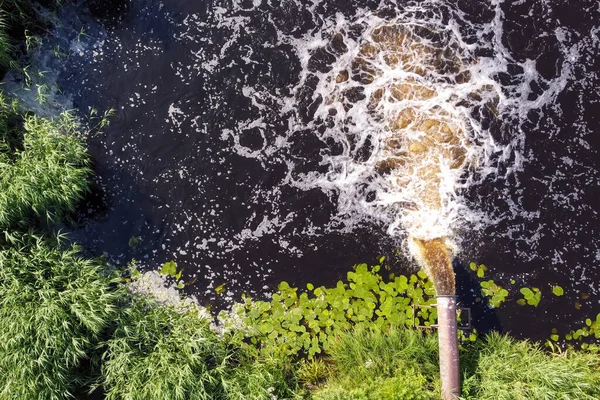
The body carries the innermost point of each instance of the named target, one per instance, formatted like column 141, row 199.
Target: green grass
column 398, row 363
column 402, row 364
column 6, row 48
column 43, row 170
column 507, row 369
column 54, row 306
column 158, row 353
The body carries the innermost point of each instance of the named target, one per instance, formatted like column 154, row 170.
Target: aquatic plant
column 43, row 169
column 297, row 323
column 496, row 294
column 531, row 296
column 54, row 307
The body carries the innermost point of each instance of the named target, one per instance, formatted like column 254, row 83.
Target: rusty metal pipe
column 448, row 343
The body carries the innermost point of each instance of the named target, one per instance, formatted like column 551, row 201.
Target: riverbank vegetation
column 70, row 326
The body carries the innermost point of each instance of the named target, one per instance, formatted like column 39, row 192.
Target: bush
column 509, row 369
column 43, row 173
column 159, row 353
column 54, row 307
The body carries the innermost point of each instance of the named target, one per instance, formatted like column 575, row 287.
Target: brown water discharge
column 436, row 259
column 423, row 140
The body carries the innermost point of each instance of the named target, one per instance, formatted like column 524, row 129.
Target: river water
column 223, row 154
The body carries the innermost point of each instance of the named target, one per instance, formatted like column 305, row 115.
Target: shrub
column 43, row 173
column 159, row 353
column 54, row 307
column 509, row 369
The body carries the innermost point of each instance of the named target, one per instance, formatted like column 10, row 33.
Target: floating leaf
column 220, row 289
column 473, row 266
column 554, row 337
column 558, row 291
column 527, row 293
column 169, row 268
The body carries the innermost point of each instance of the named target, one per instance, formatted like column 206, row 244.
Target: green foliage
column 480, row 270
column 43, row 172
column 557, row 290
column 398, row 363
column 54, row 305
column 496, row 294
column 6, row 49
column 158, row 353
column 530, row 296
column 296, row 323
column 313, row 372
column 591, row 328
column 508, row 369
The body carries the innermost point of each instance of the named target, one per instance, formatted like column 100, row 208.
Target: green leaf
column 220, row 289
column 473, row 266
column 310, row 286
column 558, row 291
column 554, row 337
column 169, row 268
column 527, row 293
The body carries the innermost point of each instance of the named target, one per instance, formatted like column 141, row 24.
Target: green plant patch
column 506, row 369
column 390, row 364
column 495, row 293
column 158, row 353
column 531, row 296
column 591, row 328
column 43, row 170
column 54, row 308
column 302, row 322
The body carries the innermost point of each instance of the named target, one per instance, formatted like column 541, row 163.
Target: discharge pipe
column 448, row 343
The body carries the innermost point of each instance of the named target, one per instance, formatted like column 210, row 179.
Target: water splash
column 417, row 114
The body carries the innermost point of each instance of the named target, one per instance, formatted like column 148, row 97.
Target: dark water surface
column 193, row 164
